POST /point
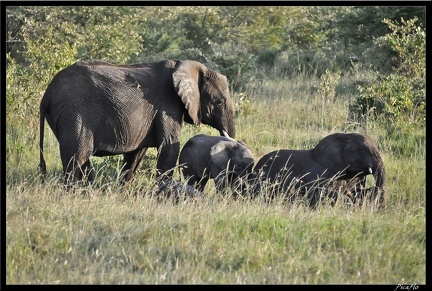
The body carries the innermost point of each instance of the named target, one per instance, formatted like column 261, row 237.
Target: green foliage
column 353, row 33
column 401, row 95
column 240, row 41
column 27, row 83
column 108, row 34
column 45, row 65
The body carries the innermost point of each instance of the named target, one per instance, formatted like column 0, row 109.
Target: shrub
column 400, row 95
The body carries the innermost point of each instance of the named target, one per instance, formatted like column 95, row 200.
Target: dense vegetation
column 296, row 74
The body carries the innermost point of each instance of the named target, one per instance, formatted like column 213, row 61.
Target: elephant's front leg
column 167, row 158
column 201, row 183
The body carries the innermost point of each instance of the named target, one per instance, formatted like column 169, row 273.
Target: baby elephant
column 338, row 156
column 223, row 159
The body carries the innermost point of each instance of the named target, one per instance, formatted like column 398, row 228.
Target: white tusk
column 370, row 170
column 225, row 133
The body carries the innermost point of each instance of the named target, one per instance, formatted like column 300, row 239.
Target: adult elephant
column 223, row 159
column 96, row 108
column 338, row 156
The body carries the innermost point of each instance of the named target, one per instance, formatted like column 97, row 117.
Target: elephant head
column 353, row 155
column 230, row 160
column 205, row 94
column 223, row 159
column 350, row 155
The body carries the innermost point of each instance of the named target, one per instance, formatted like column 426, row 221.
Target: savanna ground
column 105, row 233
column 108, row 234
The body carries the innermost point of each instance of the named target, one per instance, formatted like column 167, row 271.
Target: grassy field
column 107, row 234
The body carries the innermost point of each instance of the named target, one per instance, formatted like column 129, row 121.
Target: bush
column 400, row 95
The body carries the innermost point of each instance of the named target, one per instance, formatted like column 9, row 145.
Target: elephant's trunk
column 380, row 182
column 228, row 121
column 380, row 176
column 229, row 129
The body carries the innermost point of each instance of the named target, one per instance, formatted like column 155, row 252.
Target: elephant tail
column 42, row 164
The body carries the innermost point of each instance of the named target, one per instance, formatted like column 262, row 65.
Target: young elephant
column 339, row 156
column 223, row 159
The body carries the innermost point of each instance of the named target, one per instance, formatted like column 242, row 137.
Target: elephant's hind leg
column 74, row 169
column 87, row 171
column 75, row 153
column 131, row 162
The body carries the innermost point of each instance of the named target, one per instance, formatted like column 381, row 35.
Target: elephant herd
column 96, row 108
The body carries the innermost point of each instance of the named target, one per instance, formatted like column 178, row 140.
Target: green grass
column 107, row 234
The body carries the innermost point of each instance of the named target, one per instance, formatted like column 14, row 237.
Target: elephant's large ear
column 220, row 154
column 330, row 152
column 186, row 83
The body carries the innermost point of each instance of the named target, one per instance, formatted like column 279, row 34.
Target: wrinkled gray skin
column 100, row 109
column 205, row 157
column 339, row 156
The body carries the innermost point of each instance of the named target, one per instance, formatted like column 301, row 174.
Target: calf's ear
column 221, row 153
